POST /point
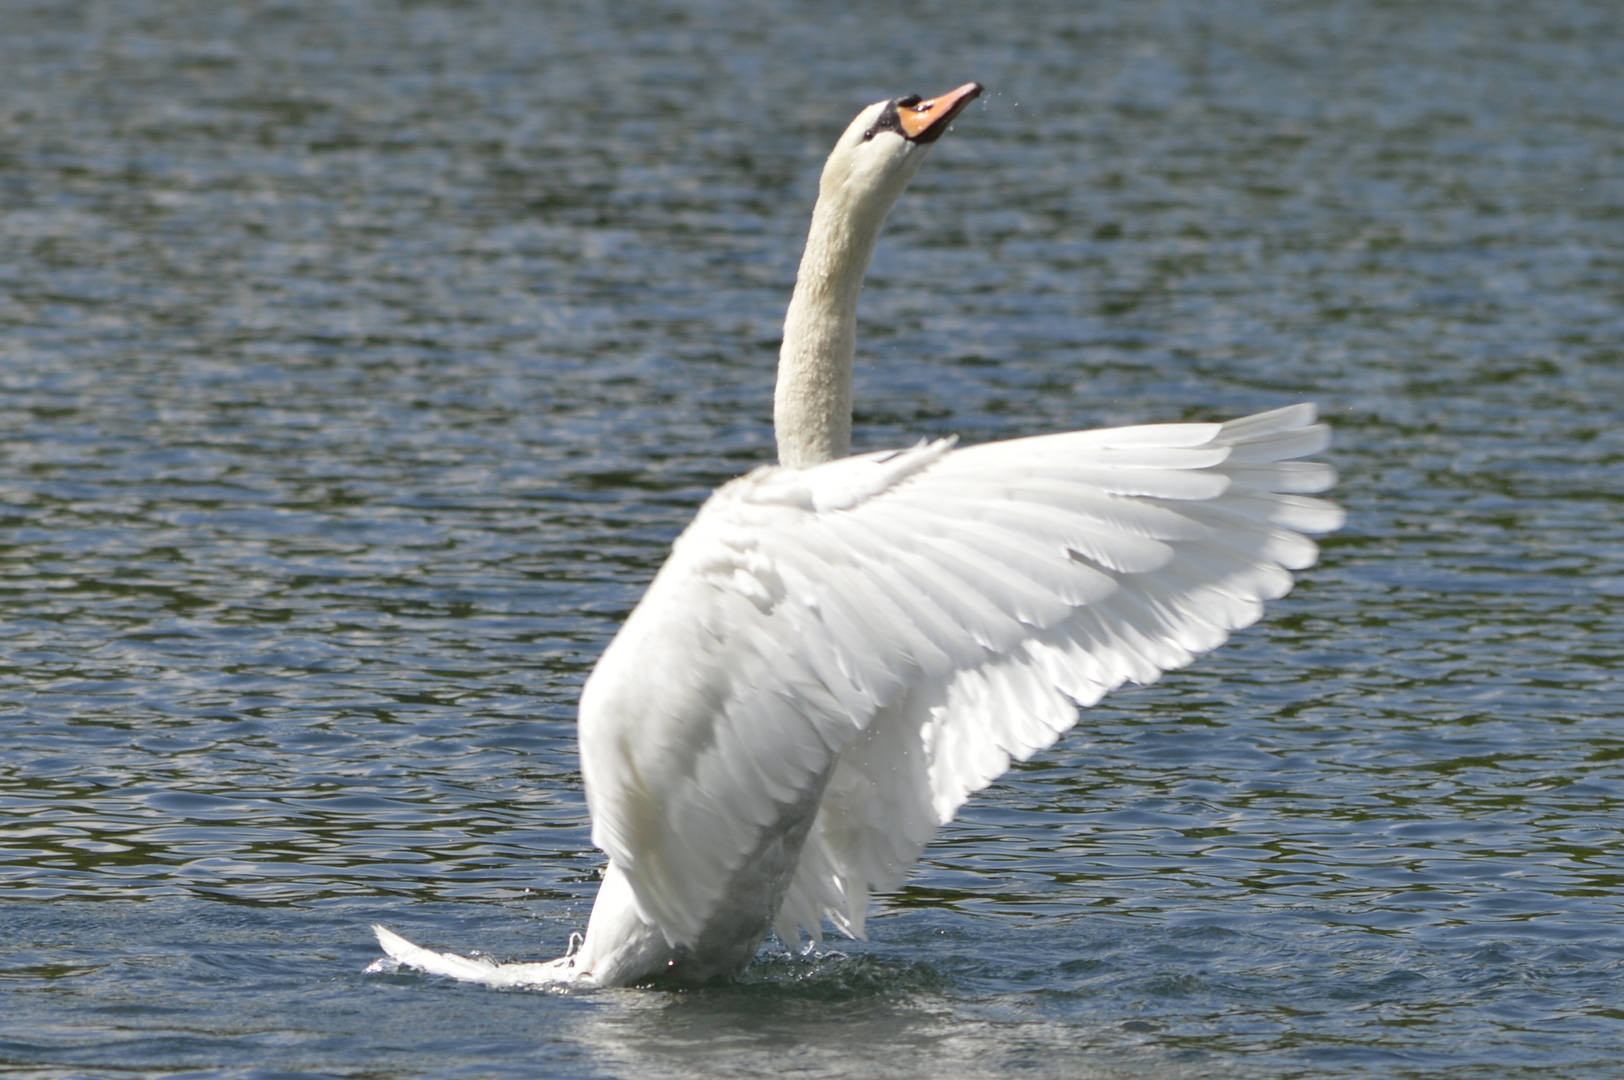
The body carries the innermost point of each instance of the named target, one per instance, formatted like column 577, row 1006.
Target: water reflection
column 874, row 1019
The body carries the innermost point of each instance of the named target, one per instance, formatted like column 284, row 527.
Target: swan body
column 841, row 650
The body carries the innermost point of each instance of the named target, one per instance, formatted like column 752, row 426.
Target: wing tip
column 1271, row 422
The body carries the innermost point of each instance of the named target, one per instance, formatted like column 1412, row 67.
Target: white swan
column 840, row 650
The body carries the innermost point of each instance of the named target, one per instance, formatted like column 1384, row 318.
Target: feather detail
column 837, row 657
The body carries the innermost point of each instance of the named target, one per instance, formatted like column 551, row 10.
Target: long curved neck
column 812, row 403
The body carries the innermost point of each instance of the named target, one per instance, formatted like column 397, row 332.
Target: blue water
column 359, row 361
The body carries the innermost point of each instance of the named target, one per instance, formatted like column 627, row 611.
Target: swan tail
column 402, row 953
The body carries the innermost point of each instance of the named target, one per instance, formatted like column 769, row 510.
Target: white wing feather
column 891, row 630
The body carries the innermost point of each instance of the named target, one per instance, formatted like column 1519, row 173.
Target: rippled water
column 360, row 360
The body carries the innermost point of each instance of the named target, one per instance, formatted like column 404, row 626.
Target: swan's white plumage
column 913, row 622
column 841, row 650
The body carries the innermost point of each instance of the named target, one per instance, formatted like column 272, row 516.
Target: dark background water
column 358, row 361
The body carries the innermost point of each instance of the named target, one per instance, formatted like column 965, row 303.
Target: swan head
column 883, row 148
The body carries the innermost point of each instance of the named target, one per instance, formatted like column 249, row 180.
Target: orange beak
column 926, row 121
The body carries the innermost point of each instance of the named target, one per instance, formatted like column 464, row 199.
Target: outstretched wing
column 847, row 652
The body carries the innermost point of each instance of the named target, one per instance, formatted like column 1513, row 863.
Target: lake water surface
column 359, row 362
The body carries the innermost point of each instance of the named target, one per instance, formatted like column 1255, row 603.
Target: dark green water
column 358, row 361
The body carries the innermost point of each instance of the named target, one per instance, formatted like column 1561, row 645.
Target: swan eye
column 869, row 134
